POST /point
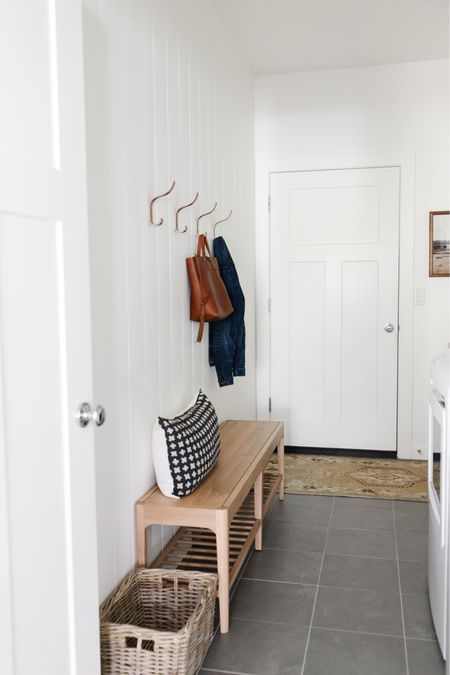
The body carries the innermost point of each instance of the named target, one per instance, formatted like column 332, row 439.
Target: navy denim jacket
column 227, row 337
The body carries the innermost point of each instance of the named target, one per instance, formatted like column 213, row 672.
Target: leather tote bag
column 209, row 298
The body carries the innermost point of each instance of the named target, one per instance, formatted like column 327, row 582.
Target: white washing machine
column 438, row 491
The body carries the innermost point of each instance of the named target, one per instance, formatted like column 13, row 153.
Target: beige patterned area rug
column 355, row 477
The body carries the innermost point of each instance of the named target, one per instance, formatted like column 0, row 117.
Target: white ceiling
column 284, row 36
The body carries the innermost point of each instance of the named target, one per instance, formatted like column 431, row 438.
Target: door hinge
column 269, row 305
column 268, row 203
column 270, row 405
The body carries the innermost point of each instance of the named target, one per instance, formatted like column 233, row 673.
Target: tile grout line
column 365, row 632
column 345, row 555
column 328, row 628
column 333, row 629
column 317, row 590
column 229, row 602
column 379, row 530
column 277, row 581
column 228, row 672
column 400, row 591
column 242, row 577
column 342, row 588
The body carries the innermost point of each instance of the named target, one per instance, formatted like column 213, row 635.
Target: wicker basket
column 158, row 621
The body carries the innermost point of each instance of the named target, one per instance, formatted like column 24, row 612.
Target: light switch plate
column 419, row 296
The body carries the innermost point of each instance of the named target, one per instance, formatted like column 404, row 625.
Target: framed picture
column 439, row 244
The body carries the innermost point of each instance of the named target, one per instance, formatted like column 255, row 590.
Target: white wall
column 382, row 109
column 168, row 96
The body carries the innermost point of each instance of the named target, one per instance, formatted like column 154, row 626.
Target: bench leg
column 223, row 568
column 141, row 542
column 280, row 457
column 258, row 494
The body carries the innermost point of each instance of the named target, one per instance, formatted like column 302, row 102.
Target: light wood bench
column 223, row 517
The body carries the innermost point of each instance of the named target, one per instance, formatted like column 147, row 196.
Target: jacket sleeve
column 239, row 352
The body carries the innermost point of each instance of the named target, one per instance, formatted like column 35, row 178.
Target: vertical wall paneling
column 168, row 97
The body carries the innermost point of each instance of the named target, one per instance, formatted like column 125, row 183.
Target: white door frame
column 405, row 161
column 6, row 615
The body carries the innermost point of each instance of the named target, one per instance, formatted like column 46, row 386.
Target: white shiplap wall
column 168, row 96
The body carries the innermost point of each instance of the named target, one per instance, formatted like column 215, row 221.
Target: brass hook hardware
column 150, row 207
column 177, row 229
column 206, row 214
column 221, row 221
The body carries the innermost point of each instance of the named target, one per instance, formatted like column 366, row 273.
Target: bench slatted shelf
column 221, row 520
column 193, row 547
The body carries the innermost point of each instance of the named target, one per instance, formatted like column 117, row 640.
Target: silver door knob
column 389, row 327
column 85, row 414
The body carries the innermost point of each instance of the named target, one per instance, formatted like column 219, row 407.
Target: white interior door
column 334, row 290
column 48, row 567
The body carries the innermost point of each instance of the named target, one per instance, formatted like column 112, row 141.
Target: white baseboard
column 419, row 452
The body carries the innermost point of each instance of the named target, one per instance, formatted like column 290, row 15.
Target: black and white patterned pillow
column 186, row 447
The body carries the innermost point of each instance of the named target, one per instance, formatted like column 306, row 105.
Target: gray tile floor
column 339, row 589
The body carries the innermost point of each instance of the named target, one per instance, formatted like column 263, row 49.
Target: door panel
column 359, row 339
column 346, row 215
column 307, row 343
column 334, row 285
column 29, row 286
column 28, row 41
